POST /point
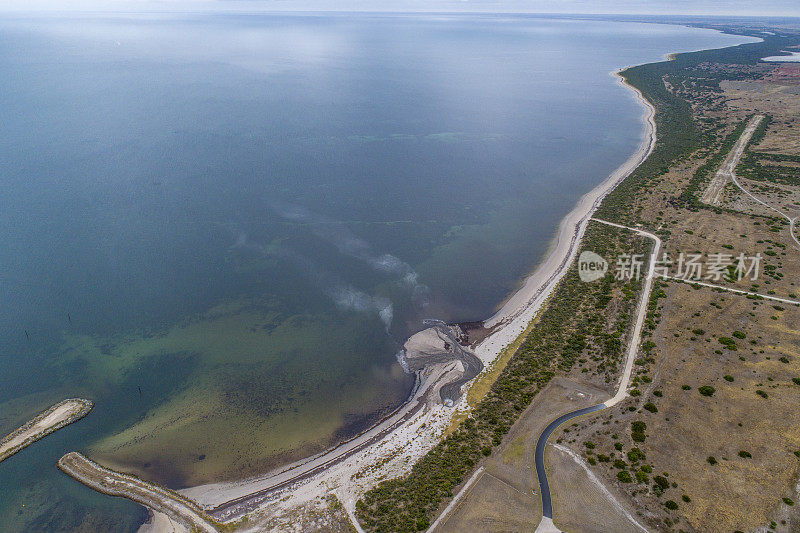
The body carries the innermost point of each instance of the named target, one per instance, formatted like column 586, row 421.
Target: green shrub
column 650, row 406
column 671, row 505
column 686, row 498
column 635, row 454
column 707, row 390
column 738, row 335
column 624, row 476
column 744, row 454
column 788, row 501
column 728, row 378
column 711, row 460
column 762, row 393
column 728, row 343
column 686, row 387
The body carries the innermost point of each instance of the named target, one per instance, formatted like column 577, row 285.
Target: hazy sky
column 670, row 7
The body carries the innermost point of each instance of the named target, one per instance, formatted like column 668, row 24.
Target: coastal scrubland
column 711, row 442
column 708, row 430
column 587, row 329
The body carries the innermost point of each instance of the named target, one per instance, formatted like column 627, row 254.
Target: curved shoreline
column 232, row 499
column 527, row 300
column 152, row 496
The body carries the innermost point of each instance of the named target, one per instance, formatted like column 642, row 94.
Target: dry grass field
column 716, row 446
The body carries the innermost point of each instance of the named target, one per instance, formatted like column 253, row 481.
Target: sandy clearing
column 161, row 523
column 603, row 489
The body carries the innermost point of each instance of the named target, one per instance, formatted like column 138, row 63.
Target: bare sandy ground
column 420, row 423
column 160, row 522
column 584, row 503
column 46, row 422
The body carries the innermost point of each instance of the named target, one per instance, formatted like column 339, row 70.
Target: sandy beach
column 524, row 303
column 392, row 446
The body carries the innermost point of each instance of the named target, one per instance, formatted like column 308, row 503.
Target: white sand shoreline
column 521, row 307
column 396, row 450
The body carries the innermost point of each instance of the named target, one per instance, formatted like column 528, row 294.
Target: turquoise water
column 222, row 228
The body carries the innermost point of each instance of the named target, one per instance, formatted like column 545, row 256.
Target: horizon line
column 219, row 9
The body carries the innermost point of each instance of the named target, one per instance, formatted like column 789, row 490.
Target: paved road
column 622, row 391
column 544, row 486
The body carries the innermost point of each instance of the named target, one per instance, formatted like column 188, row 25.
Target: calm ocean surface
column 222, row 228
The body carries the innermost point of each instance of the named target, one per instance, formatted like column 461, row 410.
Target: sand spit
column 56, row 417
column 167, row 502
column 390, row 448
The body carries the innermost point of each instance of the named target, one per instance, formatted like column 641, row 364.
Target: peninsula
column 56, row 417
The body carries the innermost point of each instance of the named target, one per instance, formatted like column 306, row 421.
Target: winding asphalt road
column 544, row 486
column 546, row 525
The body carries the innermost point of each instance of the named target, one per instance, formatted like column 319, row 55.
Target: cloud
column 344, row 295
column 349, row 244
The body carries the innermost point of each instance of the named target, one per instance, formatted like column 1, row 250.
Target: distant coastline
column 793, row 57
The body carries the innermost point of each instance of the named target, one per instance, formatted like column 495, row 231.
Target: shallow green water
column 222, row 228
